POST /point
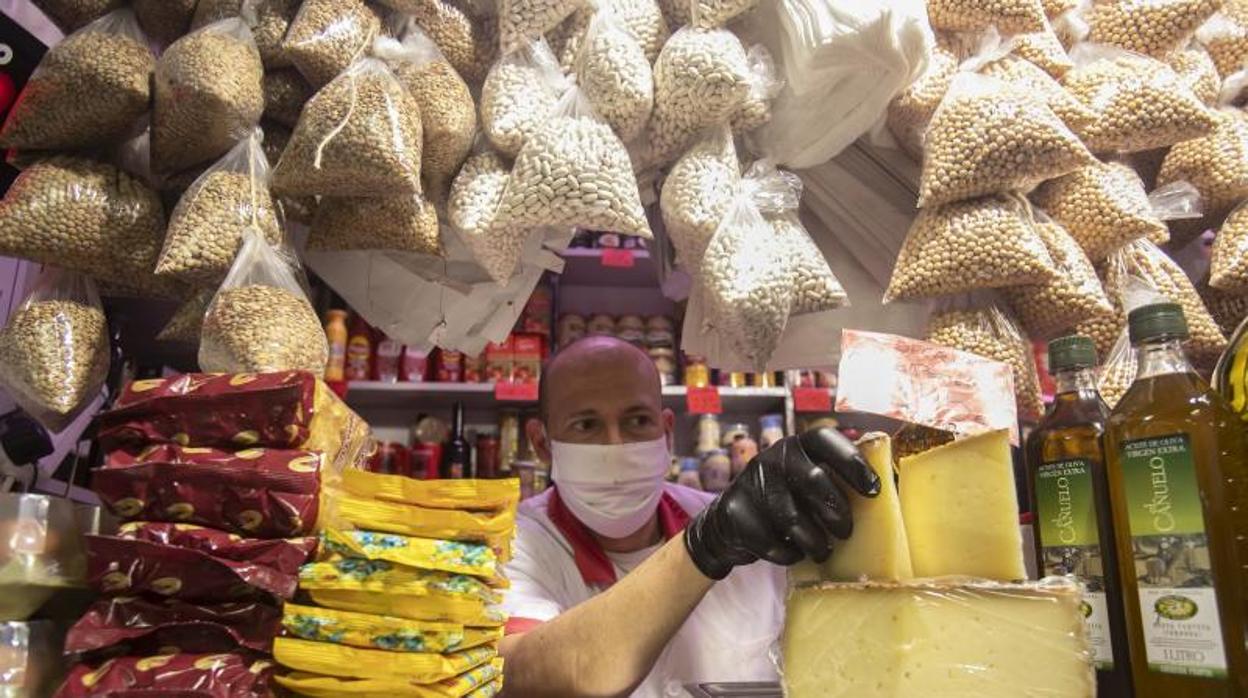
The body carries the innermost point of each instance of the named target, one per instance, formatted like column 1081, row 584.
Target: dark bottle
column 1177, row 464
column 1070, row 497
column 457, row 460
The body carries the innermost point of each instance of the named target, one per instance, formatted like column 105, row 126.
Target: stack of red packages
column 218, row 478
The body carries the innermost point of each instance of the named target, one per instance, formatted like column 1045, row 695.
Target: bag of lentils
column 285, row 93
column 269, row 20
column 405, row 223
column 164, row 20
column 72, row 15
column 187, row 320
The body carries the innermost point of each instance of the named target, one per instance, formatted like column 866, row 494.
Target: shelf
column 583, row 267
column 368, row 395
column 733, row 400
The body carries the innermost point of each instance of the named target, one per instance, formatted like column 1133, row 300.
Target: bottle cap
column 1075, row 351
column 1158, row 321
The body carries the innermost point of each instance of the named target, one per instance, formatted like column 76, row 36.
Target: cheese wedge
column 932, row 640
column 878, row 548
column 960, row 509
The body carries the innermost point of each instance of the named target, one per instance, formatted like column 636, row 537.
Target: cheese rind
column 960, row 509
column 927, row 639
column 878, row 548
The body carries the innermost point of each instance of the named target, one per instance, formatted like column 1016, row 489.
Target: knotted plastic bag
column 1197, row 72
column 1216, row 164
column 359, row 136
column 519, row 94
column 327, row 36
column 164, row 20
column 206, row 227
column 697, row 193
column 473, row 204
column 88, row 90
column 269, row 21
column 1149, row 27
column 405, row 223
column 72, row 15
column 470, row 44
column 285, row 93
column 612, row 70
column 188, row 319
column 260, row 319
column 54, row 350
column 765, row 85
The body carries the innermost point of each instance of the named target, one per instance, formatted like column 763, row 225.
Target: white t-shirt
column 728, row 637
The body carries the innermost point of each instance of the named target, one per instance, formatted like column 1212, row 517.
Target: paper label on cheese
column 1178, row 603
column 1070, row 541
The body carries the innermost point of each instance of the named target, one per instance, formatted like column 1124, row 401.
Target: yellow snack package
column 466, row 684
column 385, row 577
column 343, row 510
column 337, row 660
column 476, row 559
column 337, row 430
column 489, row 690
column 473, row 495
column 382, row 632
column 460, row 609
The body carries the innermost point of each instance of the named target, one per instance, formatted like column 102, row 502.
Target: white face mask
column 611, row 488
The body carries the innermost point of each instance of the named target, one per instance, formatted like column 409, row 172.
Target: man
column 623, row 584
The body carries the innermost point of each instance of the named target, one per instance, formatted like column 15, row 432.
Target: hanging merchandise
column 765, row 84
column 164, row 20
column 523, row 21
column 1227, row 308
column 1225, row 36
column 615, row 76
column 180, row 673
column 209, row 94
column 697, row 193
column 187, row 320
column 206, row 227
column 260, row 318
column 519, row 94
column 975, row 15
column 1197, row 72
column 328, row 36
column 269, row 21
column 471, row 210
column 72, row 15
column 285, row 94
column 1149, row 27
column 642, row 19
column 1229, row 266
column 910, row 112
column 359, row 136
column 470, row 44
column 1025, row 75
column 1216, row 164
column 1118, row 370
column 406, row 223
column 89, row 90
column 54, row 350
column 1043, row 49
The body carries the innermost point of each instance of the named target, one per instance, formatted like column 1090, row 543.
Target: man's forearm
column 607, row 645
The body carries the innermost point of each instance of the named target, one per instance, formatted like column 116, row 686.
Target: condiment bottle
column 336, row 333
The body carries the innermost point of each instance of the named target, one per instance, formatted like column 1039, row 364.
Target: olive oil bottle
column 1176, row 454
column 1069, row 491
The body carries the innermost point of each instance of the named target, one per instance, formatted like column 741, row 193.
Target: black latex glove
column 784, row 506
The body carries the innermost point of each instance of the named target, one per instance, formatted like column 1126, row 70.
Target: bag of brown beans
column 164, row 20
column 89, row 90
column 981, row 243
column 260, row 319
column 187, row 320
column 327, row 36
column 360, row 135
column 276, row 136
column 269, row 20
column 206, row 227
column 209, row 95
column 405, row 223
column 989, row 137
column 72, row 15
column 54, row 350
column 470, row 44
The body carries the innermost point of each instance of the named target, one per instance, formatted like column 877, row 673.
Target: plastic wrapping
column 351, row 511
column 1142, row 102
column 519, row 94
column 1118, row 368
column 982, row 327
column 1225, row 36
column 89, row 90
column 484, row 681
column 910, row 112
column 765, row 85
column 72, row 15
column 187, row 320
column 473, row 559
column 1047, row 309
column 327, row 36
column 337, row 660
column 697, row 193
column 368, row 631
column 1030, row 143
column 479, row 495
column 982, row 243
column 164, row 20
column 206, row 227
column 1149, row 27
column 1228, row 309
column 1229, row 266
column 466, row 611
column 523, row 21
column 644, row 20
column 404, row 223
column 359, row 136
column 181, row 674
column 385, row 577
column 260, row 319
column 285, row 93
column 1024, row 75
column 936, row 637
column 471, row 210
column 615, row 76
column 974, row 15
column 54, row 350
column 42, row 554
column 1216, row 164
column 1198, row 73
column 143, row 625
column 33, row 662
column 269, row 21
column 1043, row 49
column 471, row 45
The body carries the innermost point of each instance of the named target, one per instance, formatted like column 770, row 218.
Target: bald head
column 592, row 355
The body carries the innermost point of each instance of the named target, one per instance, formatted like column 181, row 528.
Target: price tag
column 617, row 258
column 515, row 392
column 812, row 400
column 703, row 401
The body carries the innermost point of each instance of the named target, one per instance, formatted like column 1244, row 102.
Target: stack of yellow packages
column 403, row 598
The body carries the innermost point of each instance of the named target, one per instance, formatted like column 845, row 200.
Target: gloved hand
column 784, row 506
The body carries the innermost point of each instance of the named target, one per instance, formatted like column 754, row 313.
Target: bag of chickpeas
column 88, row 90
column 519, row 94
column 1117, row 371
column 976, row 15
column 1229, row 265
column 54, row 351
column 260, row 319
column 1148, row 27
column 206, row 227
column 1216, row 164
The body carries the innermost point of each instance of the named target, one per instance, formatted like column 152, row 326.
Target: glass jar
column 715, row 470
column 770, row 429
column 732, row 432
column 689, row 476
column 732, row 379
column 601, row 324
column 697, row 373
column 660, row 332
column 766, row 379
column 665, row 362
column 708, row 433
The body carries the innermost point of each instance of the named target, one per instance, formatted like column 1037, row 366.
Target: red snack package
column 146, row 625
column 284, row 555
column 233, row 675
column 264, row 493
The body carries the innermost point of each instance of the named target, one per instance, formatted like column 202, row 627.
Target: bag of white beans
column 472, row 207
column 765, row 85
column 612, row 70
column 523, row 21
column 519, row 94
column 697, row 193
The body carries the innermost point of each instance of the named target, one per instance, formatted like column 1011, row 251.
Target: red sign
column 515, row 392
column 617, row 258
column 812, row 400
column 703, row 400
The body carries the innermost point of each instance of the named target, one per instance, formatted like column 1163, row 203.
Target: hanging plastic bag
column 521, row 22
column 1216, row 164
column 1043, row 49
column 765, row 85
column 285, row 93
column 1117, row 371
column 72, row 15
column 1075, row 294
column 1149, row 27
column 269, row 21
column 260, row 319
column 206, row 227
column 910, row 112
column 1229, row 266
column 475, row 195
column 328, row 36
column 276, row 137
column 187, row 320
column 644, row 20
column 402, row 223
column 359, row 136
column 209, row 95
column 164, row 20
column 1198, row 73
column 981, row 327
column 448, row 116
column 1227, row 308
column 1225, row 36
column 519, row 94
column 88, row 90
column 1030, row 143
column 471, row 45
column 1142, row 102
column 1104, row 206
column 615, row 76
column 701, row 77
column 976, row 15
column 54, row 351
column 982, row 243
column 1028, row 77
column 697, row 193
column 573, row 172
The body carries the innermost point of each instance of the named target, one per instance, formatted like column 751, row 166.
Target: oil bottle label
column 1070, row 541
column 1178, row 602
